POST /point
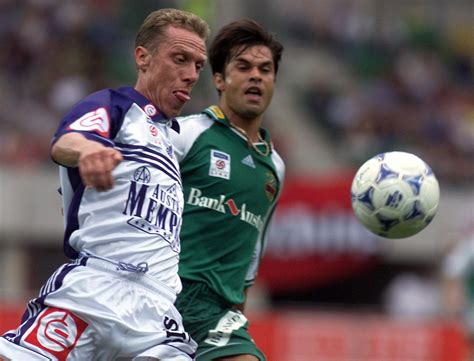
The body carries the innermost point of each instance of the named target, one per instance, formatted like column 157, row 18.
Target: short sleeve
column 95, row 117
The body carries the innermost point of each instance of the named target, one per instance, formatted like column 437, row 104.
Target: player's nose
column 191, row 74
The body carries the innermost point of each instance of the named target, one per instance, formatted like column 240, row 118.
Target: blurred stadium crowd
column 374, row 82
column 53, row 54
column 388, row 75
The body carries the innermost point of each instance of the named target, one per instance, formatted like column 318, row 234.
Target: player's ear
column 142, row 58
column 219, row 81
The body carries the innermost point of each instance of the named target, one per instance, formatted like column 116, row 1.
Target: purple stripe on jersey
column 157, row 166
column 72, row 223
column 141, row 155
column 151, row 157
column 96, row 138
column 149, row 150
column 37, row 305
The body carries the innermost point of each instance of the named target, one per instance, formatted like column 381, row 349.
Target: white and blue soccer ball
column 395, row 194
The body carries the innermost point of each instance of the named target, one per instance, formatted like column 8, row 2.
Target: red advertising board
column 311, row 335
column 314, row 237
column 305, row 336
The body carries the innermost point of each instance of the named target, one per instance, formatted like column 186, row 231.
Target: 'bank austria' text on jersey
column 139, row 219
column 230, row 193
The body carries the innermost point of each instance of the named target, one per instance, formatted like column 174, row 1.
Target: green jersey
column 230, row 193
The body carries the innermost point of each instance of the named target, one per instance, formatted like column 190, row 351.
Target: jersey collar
column 215, row 113
column 151, row 110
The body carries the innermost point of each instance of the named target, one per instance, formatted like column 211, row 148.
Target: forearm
column 67, row 150
column 94, row 160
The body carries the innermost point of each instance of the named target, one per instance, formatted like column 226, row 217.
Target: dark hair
column 152, row 30
column 235, row 38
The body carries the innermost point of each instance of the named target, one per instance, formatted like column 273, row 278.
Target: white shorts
column 95, row 312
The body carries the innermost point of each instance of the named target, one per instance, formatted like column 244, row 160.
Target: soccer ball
column 395, row 194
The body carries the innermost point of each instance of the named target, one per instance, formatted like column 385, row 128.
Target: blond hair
column 152, row 30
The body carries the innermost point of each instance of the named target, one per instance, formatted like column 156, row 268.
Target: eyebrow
column 188, row 53
column 243, row 60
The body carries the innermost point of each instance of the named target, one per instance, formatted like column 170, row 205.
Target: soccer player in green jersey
column 232, row 178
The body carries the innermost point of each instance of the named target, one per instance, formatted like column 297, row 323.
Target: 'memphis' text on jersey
column 156, row 210
column 222, row 204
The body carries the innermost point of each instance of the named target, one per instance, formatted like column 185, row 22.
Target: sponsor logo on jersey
column 224, row 205
column 97, row 121
column 153, row 130
column 248, row 160
column 229, row 323
column 56, row 331
column 154, row 209
column 220, row 164
column 270, row 186
column 153, row 134
column 150, row 110
column 174, row 329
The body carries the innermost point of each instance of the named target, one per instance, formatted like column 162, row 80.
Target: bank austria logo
column 224, row 205
column 154, row 208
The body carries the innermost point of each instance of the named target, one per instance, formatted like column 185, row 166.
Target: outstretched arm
column 95, row 161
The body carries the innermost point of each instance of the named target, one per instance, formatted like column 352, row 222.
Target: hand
column 96, row 164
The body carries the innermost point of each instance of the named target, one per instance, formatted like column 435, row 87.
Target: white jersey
column 116, row 299
column 139, row 219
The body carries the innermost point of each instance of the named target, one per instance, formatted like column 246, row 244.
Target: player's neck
column 250, row 126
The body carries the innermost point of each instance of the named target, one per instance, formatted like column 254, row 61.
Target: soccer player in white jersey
column 123, row 201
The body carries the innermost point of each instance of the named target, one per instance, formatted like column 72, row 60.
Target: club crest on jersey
column 270, row 186
column 142, row 175
column 96, row 121
column 219, row 164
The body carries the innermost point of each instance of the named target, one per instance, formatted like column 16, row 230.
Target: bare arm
column 95, row 161
column 241, row 306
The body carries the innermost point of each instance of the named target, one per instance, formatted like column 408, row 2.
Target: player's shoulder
column 109, row 96
column 278, row 162
column 195, row 123
column 105, row 97
column 195, row 119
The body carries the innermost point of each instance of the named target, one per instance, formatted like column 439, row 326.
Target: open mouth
column 255, row 91
column 182, row 95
